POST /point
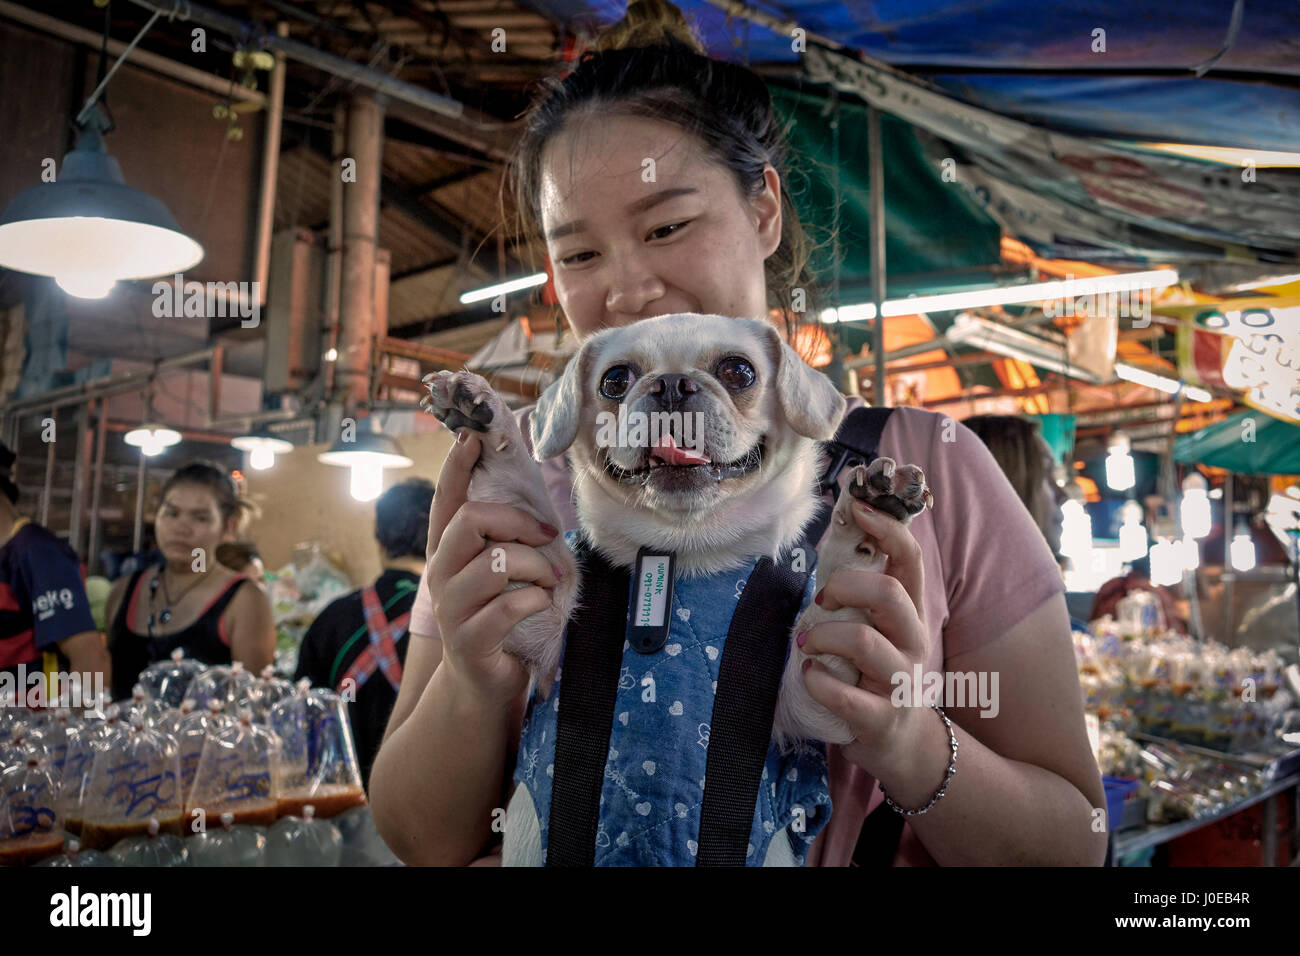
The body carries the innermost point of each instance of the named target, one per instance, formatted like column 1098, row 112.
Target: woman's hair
column 650, row 64
column 207, row 475
column 1014, row 444
column 402, row 518
column 237, row 555
column 7, row 486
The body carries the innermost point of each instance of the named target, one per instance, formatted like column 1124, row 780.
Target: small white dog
column 731, row 474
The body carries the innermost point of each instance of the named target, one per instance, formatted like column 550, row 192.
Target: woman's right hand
column 473, row 609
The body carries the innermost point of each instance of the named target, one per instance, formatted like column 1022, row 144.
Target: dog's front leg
column 506, row 474
column 898, row 490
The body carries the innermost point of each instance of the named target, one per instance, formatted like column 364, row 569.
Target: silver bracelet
column 947, row 778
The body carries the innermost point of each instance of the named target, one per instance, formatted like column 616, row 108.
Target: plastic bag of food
column 267, row 692
column 231, row 685
column 30, row 826
column 303, row 841
column 151, row 848
column 238, row 773
column 104, row 730
column 132, row 782
column 319, row 758
column 167, row 680
column 148, row 708
column 192, row 733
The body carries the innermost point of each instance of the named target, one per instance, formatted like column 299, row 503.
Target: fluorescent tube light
column 503, row 288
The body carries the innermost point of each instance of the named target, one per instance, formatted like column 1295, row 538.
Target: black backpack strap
column 749, row 678
column 878, row 841
column 593, row 655
column 856, row 443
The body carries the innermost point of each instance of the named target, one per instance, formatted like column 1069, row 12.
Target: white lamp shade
column 89, row 228
column 152, row 439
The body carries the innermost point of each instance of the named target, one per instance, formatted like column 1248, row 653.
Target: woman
column 970, row 588
column 190, row 601
column 1026, row 459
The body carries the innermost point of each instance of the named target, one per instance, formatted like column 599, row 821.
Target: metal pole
column 877, row 172
column 270, row 165
column 294, row 50
column 49, row 473
column 334, row 272
column 139, row 507
column 79, row 466
column 1229, row 575
column 101, row 432
column 360, row 237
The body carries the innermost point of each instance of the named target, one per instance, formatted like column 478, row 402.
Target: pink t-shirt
column 987, row 566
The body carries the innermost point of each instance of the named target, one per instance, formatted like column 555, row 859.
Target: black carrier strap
column 593, row 655
column 749, row 677
column 856, row 443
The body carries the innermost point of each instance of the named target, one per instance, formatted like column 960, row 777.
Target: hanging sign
column 1253, row 351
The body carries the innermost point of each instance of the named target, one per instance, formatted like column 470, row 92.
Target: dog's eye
column 735, row 373
column 616, row 382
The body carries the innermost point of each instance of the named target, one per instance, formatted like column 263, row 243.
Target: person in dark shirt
column 45, row 617
column 357, row 645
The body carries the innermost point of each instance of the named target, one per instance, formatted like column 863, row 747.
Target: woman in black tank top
column 190, row 602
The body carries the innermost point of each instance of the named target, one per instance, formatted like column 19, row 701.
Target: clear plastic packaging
column 362, row 844
column 238, row 773
column 151, row 848
column 74, row 856
column 30, row 826
column 83, row 741
column 319, row 760
column 192, row 733
column 232, row 685
column 267, row 692
column 228, row 845
column 132, row 782
column 303, row 841
column 148, row 708
column 170, row 721
column 167, row 680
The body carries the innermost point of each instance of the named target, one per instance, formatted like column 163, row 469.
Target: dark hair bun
column 648, row 23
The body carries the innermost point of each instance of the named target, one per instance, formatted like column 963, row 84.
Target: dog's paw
column 798, row 717
column 466, row 400
column 897, row 490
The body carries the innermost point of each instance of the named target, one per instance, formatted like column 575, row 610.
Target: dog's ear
column 812, row 404
column 554, row 422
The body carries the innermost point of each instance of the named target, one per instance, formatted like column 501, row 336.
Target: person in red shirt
column 44, row 611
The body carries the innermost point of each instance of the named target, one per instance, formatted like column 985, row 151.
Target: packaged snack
column 132, row 782
column 320, row 759
column 193, row 732
column 30, row 826
column 238, row 774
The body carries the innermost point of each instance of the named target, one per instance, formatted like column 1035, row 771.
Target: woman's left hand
column 895, row 642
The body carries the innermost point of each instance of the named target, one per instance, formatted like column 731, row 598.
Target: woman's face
column 624, row 248
column 187, row 519
column 1053, row 496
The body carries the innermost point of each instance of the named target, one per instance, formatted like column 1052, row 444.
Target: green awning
column 1252, row 443
column 936, row 239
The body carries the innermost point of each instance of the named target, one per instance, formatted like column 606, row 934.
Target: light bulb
column 1166, row 563
column 1243, row 552
column 1076, row 533
column 1120, row 473
column 367, row 480
column 86, row 285
column 1189, row 554
column 261, row 458
column 1132, row 534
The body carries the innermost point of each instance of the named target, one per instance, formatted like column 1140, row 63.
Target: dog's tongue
column 668, row 452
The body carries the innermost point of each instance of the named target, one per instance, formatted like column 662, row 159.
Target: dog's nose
column 673, row 389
